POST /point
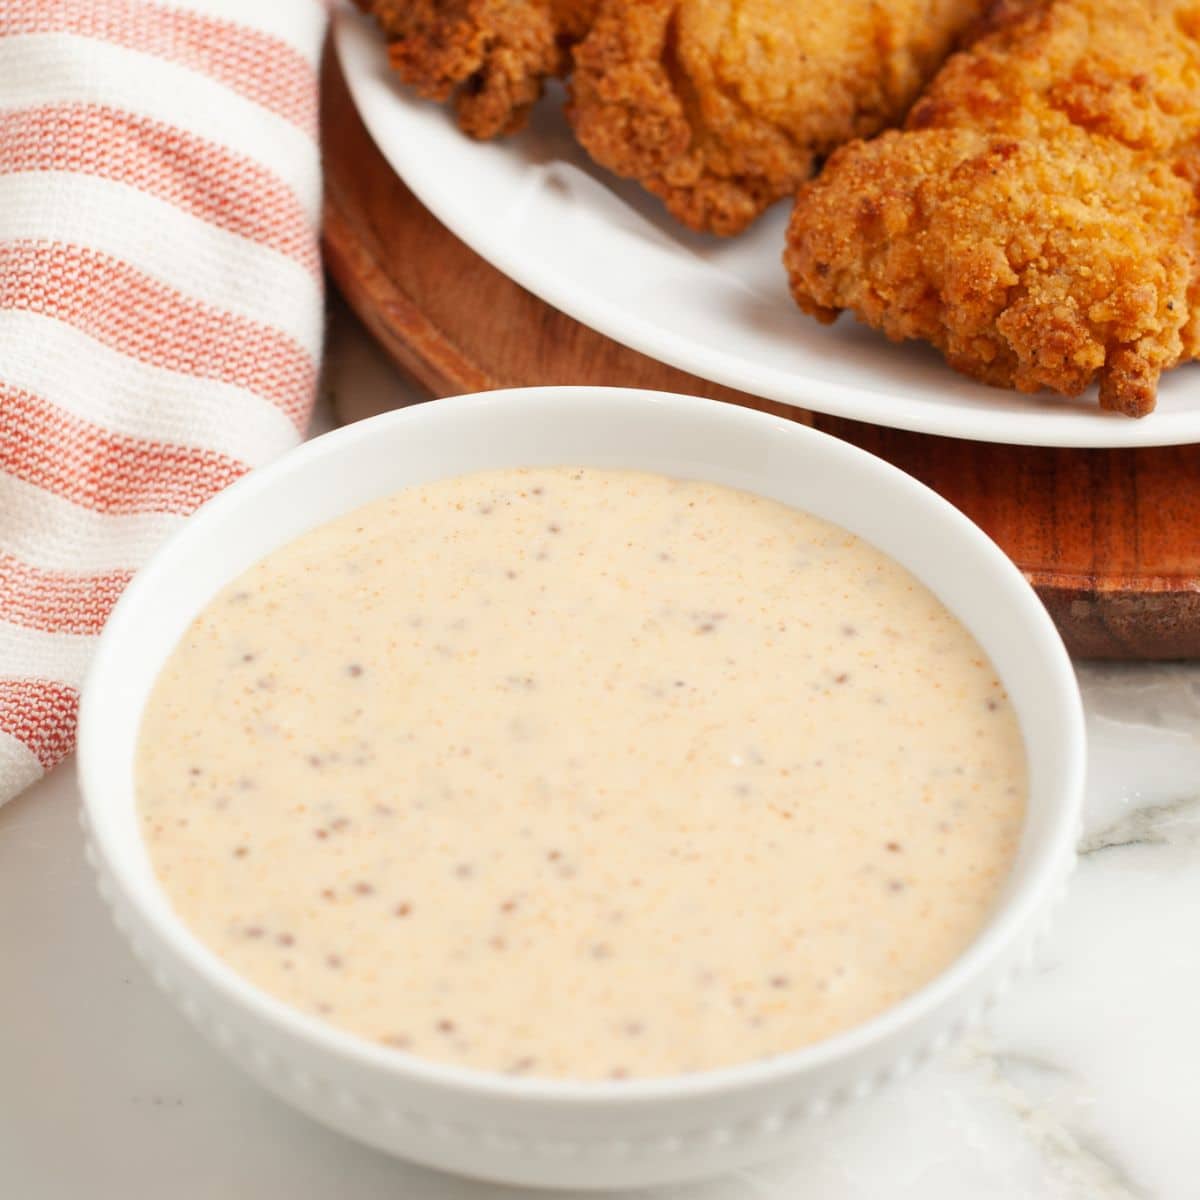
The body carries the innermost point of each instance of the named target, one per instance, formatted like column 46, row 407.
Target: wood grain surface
column 1109, row 538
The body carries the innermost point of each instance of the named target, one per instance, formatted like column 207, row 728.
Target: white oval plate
column 604, row 252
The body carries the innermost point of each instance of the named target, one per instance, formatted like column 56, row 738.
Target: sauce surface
column 581, row 773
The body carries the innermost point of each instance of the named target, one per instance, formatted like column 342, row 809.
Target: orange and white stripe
column 160, row 304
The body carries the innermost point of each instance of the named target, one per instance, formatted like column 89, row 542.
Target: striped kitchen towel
column 160, row 303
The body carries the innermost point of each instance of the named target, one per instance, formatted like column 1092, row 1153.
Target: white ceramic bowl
column 543, row 1132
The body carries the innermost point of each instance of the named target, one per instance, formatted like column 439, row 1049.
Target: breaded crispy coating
column 720, row 107
column 1036, row 220
column 491, row 56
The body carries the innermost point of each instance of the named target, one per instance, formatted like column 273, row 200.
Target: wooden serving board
column 1109, row 538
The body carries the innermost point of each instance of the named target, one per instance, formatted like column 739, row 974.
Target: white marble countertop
column 1084, row 1085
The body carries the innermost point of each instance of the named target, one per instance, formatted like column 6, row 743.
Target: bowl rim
column 1044, row 874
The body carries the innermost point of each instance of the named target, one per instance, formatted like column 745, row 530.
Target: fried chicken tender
column 491, row 56
column 720, row 107
column 1036, row 220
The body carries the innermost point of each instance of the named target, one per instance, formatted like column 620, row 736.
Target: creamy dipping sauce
column 581, row 773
